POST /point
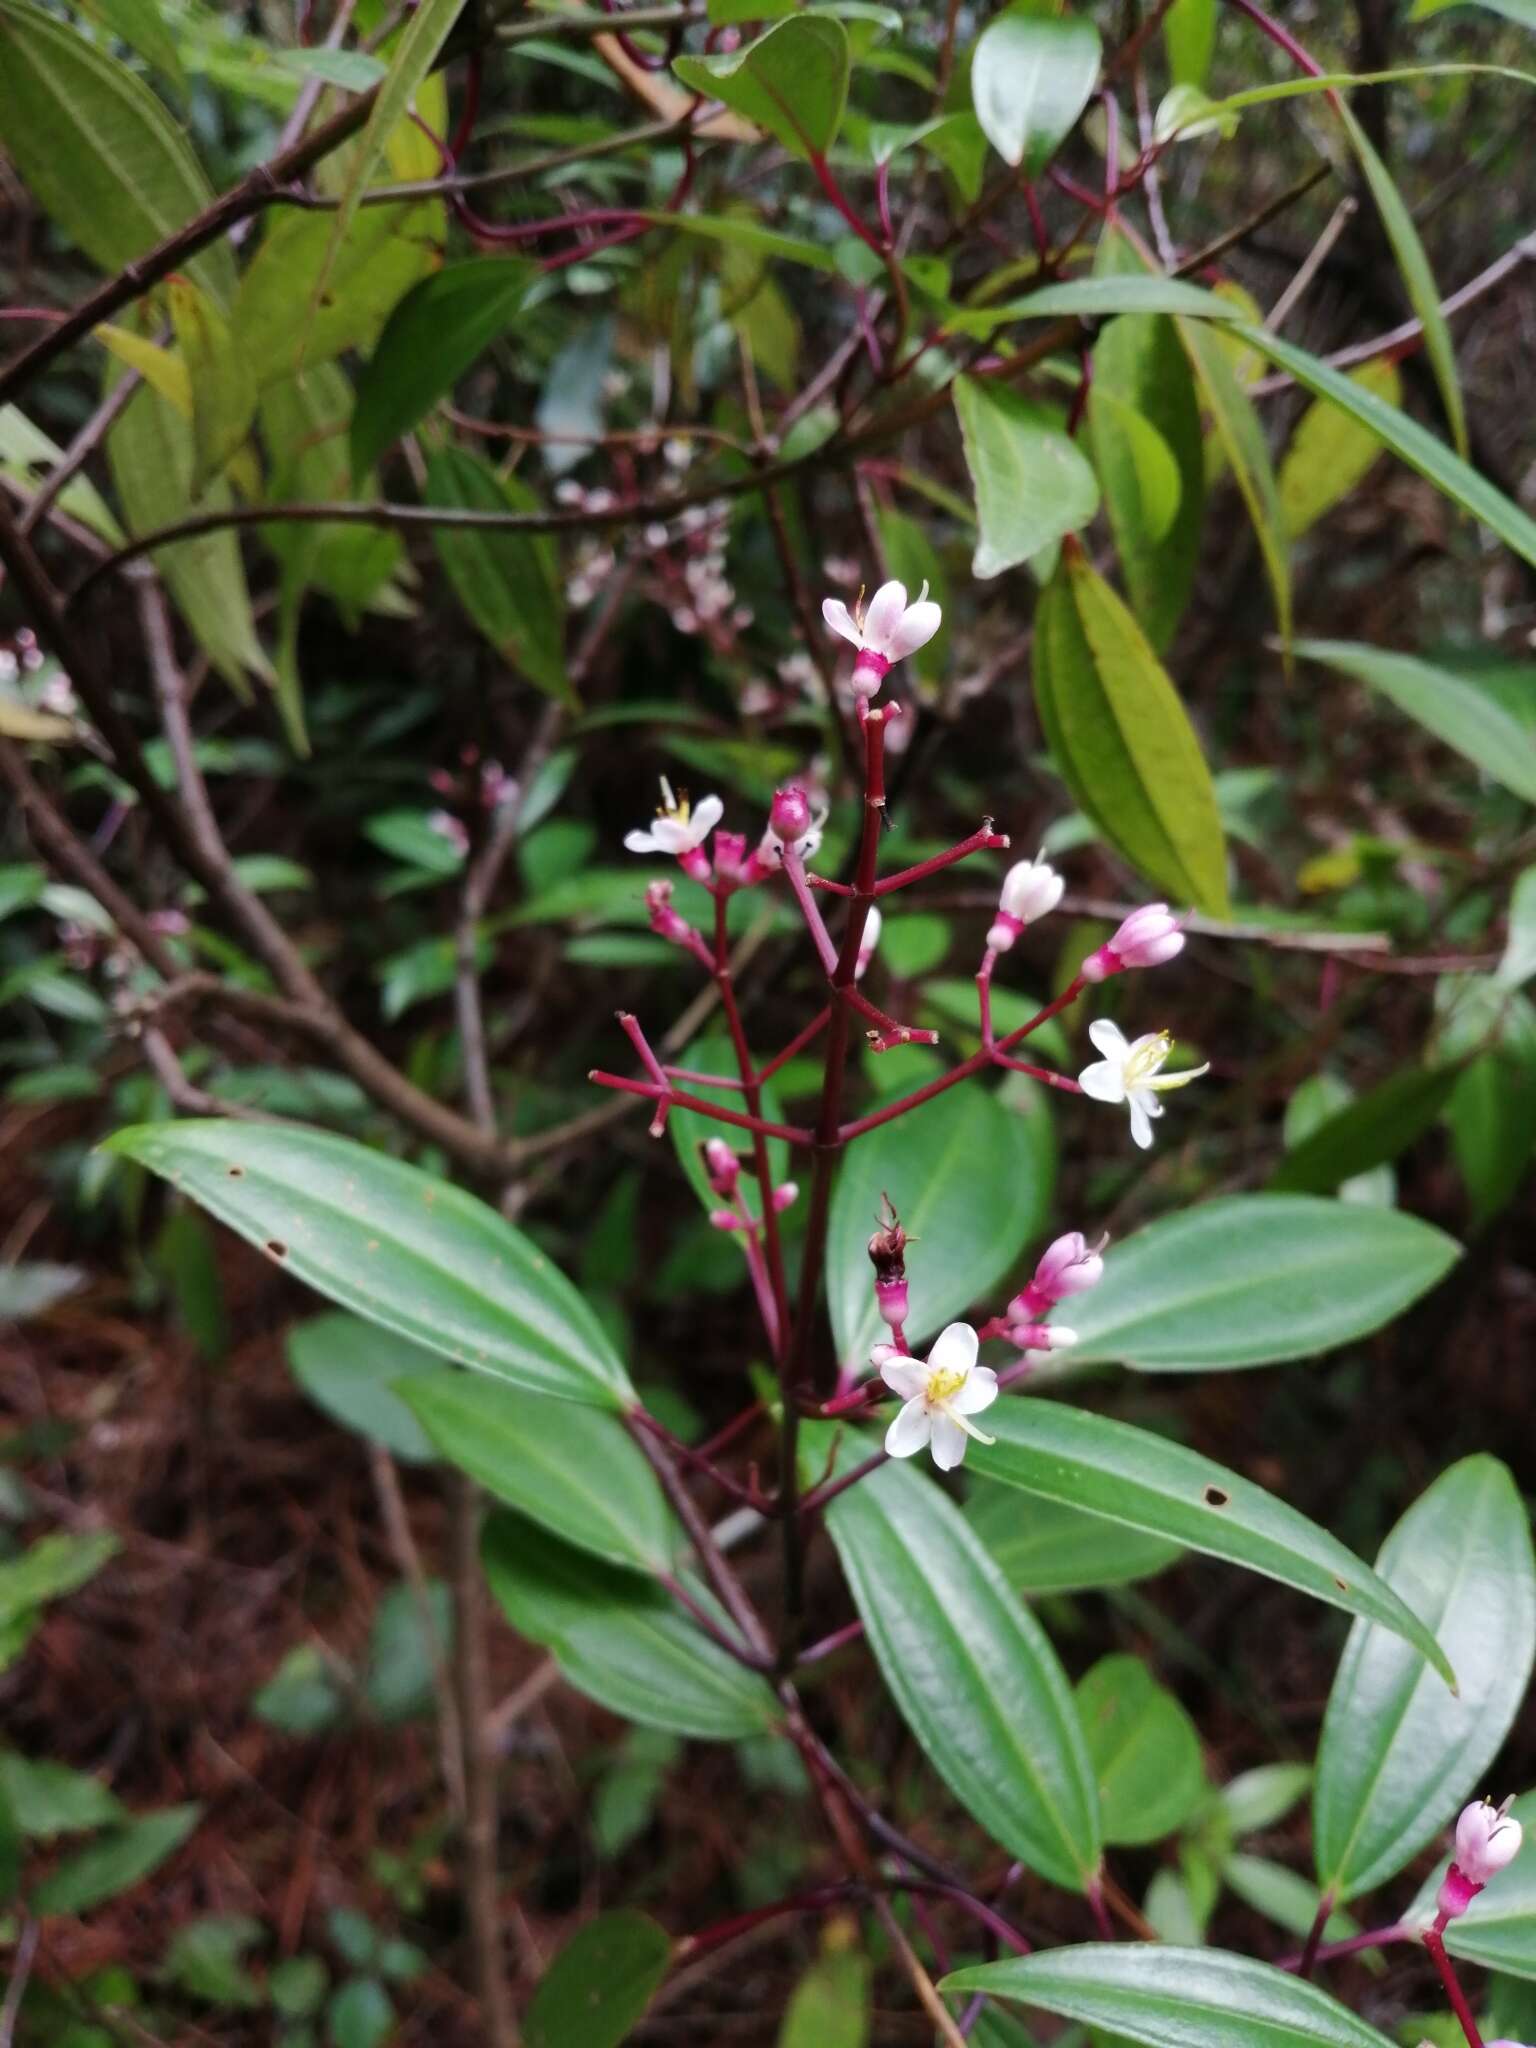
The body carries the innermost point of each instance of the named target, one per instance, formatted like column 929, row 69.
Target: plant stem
column 904, row 877
column 778, row 1330
column 795, row 1134
column 1434, row 1941
column 1314, row 1935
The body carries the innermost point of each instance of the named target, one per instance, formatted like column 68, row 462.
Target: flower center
column 676, row 807
column 1146, row 1060
column 942, row 1384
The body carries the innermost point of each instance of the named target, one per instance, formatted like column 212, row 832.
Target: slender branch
column 1434, row 1941
column 727, row 1586
column 402, row 1544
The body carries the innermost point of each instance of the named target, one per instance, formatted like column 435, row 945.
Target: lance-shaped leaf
column 1368, row 1131
column 972, row 1671
column 1131, row 1476
column 1165, row 1997
column 1122, row 739
column 1240, row 435
column 1399, row 1754
column 222, row 386
column 508, row 582
column 1250, row 1279
column 792, row 81
column 1049, row 1547
column 620, row 1639
column 1031, row 76
column 394, row 1244
column 1329, row 453
column 1033, row 484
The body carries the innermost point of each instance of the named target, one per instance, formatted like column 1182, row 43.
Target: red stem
column 985, row 837
column 839, row 1639
column 1434, row 1942
column 834, row 192
column 798, row 1043
column 794, row 1134
column 773, row 1251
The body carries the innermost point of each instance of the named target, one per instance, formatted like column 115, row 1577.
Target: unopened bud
column 785, row 1195
column 1041, row 1336
column 869, row 939
column 790, row 814
column 1031, row 890
column 721, row 1167
column 1147, row 938
column 731, row 858
column 1487, row 1839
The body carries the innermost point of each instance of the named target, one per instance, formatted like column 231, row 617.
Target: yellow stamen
column 1147, row 1059
column 941, row 1385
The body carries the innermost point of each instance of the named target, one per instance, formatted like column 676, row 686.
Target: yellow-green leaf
column 1331, row 452
column 217, row 370
column 1241, row 438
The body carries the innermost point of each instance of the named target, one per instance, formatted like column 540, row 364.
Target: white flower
column 679, row 827
column 1132, row 1073
column 938, row 1397
column 1487, row 1839
column 1031, row 890
column 869, row 939
column 888, row 631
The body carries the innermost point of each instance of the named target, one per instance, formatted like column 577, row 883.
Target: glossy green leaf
column 970, row 1180
column 1498, row 1929
column 791, row 81
column 1033, row 484
column 1123, row 292
column 1367, row 1132
column 621, row 1639
column 1412, row 443
column 1044, row 1546
column 1031, row 76
column 438, row 331
column 351, row 1368
column 1148, row 1482
column 1399, row 1753
column 1240, row 435
column 1448, row 705
column 421, row 1257
column 1330, row 452
column 103, row 156
column 1122, row 739
column 1152, row 470
column 1413, row 267
column 509, row 583
column 971, row 1670
column 1519, row 959
column 1314, row 1103
column 114, row 1862
column 598, row 1987
column 1166, row 1997
column 1144, row 1748
column 1249, row 1279
column 1257, row 1799
column 573, row 1470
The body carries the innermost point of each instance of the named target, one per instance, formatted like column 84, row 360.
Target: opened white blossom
column 1031, row 890
column 681, row 828
column 1131, row 1072
column 938, row 1397
column 887, row 630
column 1487, row 1840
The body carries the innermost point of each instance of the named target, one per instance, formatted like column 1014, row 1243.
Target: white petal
column 669, row 836
column 707, row 813
column 643, row 842
column 918, row 624
column 909, row 1431
column 1109, row 1038
column 840, row 619
column 979, row 1392
column 1141, row 1123
column 954, row 1349
column 884, row 616
column 948, row 1442
column 1104, row 1081
column 905, row 1376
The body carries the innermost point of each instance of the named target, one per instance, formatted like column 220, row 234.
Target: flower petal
column 1109, row 1038
column 948, row 1442
column 1141, row 1123
column 840, row 619
column 979, row 1391
column 883, row 617
column 905, row 1376
column 1104, row 1081
column 917, row 626
column 1181, row 1080
column 910, row 1430
column 707, row 813
column 954, row 1349
column 669, row 835
column 643, row 842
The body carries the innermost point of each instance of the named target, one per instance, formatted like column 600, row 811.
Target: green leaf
column 1257, row 1799
column 1126, row 292
column 1367, row 1132
column 1050, row 1547
column 140, row 25
column 1492, row 1120
column 1250, row 1279
column 1189, row 31
column 352, row 70
column 223, row 388
column 103, row 156
column 829, row 2007
column 1330, row 452
column 509, row 583
column 416, row 52
column 1399, row 1754
column 573, row 1470
column 969, row 1178
column 297, row 1986
column 1498, row 1929
column 1122, row 739
column 1031, row 76
column 1166, row 1997
column 438, row 330
column 114, row 1863
column 1284, row 1896
column 424, row 1259
column 203, row 1959
column 47, row 1799
column 1414, row 444
column 971, row 1670
column 1519, row 962
column 1144, row 1748
column 621, row 1640
column 51, row 1567
column 1131, row 1476
column 1141, row 373
column 1413, row 266
column 27, row 455
column 600, row 1984
column 1316, row 1101
column 1448, row 705
column 741, row 231
column 405, row 1647
column 303, row 1696
column 1240, row 435
column 360, row 2015
column 1033, row 484
column 792, row 81
column 386, row 250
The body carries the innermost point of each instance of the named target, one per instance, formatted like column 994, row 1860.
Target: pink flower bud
column 722, row 1167
column 1487, row 1838
column 891, row 1301
column 725, row 1219
column 882, row 1354
column 1041, row 1336
column 1070, row 1265
column 1147, row 938
column 730, row 858
column 1455, row 1895
column 785, row 1195
column 665, row 921
column 790, row 815
column 1031, row 890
